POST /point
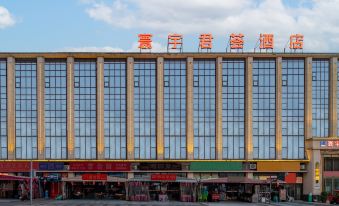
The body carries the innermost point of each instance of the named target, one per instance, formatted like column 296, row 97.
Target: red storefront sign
column 163, row 177
column 291, row 177
column 331, row 173
column 17, row 166
column 100, row 166
column 101, row 177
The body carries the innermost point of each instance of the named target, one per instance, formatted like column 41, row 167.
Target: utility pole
column 31, row 184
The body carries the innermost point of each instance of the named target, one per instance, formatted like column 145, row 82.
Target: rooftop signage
column 235, row 42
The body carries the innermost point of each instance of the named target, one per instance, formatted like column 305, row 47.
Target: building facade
column 195, row 115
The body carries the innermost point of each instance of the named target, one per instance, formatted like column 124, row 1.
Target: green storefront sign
column 216, row 166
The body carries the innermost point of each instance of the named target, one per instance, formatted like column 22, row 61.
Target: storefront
column 331, row 175
column 96, row 180
column 227, row 188
column 323, row 171
column 162, row 187
column 15, row 176
column 95, row 186
column 10, row 186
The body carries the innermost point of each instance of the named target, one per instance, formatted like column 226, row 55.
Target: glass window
column 175, row 109
column 233, row 108
column 145, row 109
column 55, row 109
column 26, row 109
column 320, row 79
column 293, row 109
column 3, row 109
column 328, row 164
column 85, row 109
column 115, row 109
column 204, row 109
column 264, row 109
column 335, row 164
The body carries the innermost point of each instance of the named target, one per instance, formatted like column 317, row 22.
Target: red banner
column 17, row 166
column 101, row 177
column 163, row 177
column 100, row 166
column 291, row 177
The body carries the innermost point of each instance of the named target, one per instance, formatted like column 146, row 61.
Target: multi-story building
column 176, row 117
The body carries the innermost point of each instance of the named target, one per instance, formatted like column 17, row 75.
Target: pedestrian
column 23, row 192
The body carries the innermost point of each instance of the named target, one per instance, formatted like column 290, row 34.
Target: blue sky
column 113, row 25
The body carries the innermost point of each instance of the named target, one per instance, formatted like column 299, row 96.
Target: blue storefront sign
column 51, row 166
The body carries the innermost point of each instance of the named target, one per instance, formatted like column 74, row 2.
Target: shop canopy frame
column 233, row 180
column 14, row 178
column 79, row 179
column 148, row 179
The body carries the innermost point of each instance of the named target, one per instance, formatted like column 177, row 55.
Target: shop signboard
column 330, row 144
column 163, row 177
column 299, row 180
column 17, row 166
column 216, row 166
column 53, row 177
column 100, row 177
column 50, row 166
column 159, row 166
column 291, row 177
column 99, row 166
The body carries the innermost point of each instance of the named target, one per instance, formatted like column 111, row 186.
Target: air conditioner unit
column 66, row 167
column 302, row 166
column 253, row 166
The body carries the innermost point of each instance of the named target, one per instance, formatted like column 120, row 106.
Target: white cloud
column 91, row 49
column 318, row 22
column 157, row 47
column 6, row 19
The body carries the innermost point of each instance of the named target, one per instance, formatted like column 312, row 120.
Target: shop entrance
column 96, row 190
column 162, row 191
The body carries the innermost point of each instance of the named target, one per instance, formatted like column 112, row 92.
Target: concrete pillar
column 130, row 108
column 309, row 183
column 11, row 107
column 248, row 109
column 70, row 107
column 189, row 109
column 308, row 98
column 332, row 113
column 100, row 109
column 278, row 109
column 41, row 107
column 218, row 109
column 160, row 108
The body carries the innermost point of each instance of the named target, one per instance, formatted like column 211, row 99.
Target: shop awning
column 79, row 179
column 13, row 178
column 235, row 179
column 148, row 179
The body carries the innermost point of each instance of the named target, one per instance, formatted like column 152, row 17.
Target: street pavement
column 43, row 202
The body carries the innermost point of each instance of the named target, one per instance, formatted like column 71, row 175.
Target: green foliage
column 323, row 196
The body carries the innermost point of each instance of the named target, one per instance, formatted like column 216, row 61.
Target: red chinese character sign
column 296, row 42
column 236, row 42
column 205, row 42
column 145, row 41
column 266, row 41
column 175, row 42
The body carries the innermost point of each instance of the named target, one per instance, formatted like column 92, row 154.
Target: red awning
column 12, row 177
